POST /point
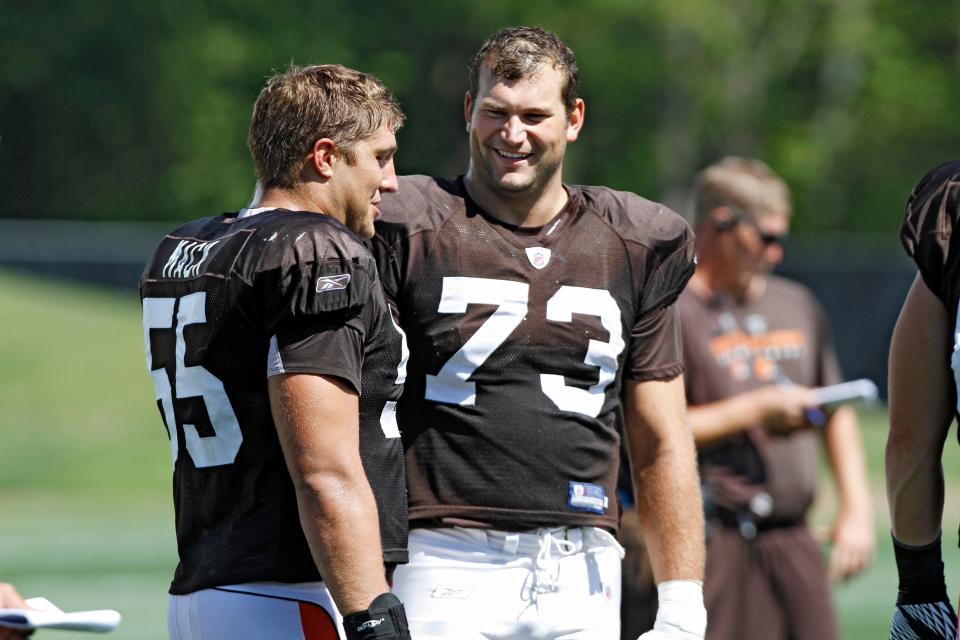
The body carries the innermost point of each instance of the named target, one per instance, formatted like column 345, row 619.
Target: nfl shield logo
column 539, row 257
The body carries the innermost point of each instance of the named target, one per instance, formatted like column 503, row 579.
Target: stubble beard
column 360, row 222
column 543, row 172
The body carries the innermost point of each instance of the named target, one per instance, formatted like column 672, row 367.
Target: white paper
column 862, row 389
column 43, row 614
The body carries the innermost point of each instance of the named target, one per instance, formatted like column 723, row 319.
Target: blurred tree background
column 138, row 111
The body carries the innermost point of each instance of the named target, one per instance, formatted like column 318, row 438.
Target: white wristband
column 680, row 612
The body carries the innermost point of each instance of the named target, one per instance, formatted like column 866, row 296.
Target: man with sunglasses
column 754, row 346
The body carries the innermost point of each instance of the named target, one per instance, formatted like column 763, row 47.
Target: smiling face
column 360, row 183
column 519, row 130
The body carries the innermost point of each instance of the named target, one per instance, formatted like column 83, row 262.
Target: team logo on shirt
column 754, row 351
column 332, row 283
column 539, row 257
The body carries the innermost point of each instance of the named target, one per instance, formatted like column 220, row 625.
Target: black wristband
column 385, row 619
column 920, row 570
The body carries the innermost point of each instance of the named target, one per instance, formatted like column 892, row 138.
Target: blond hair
column 742, row 183
column 298, row 107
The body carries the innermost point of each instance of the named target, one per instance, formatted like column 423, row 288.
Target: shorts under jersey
column 520, row 339
column 228, row 301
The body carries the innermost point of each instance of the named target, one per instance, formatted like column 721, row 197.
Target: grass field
column 85, row 470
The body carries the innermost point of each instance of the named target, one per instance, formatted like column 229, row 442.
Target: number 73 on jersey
column 451, row 385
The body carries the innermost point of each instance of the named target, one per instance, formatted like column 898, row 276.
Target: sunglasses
column 766, row 238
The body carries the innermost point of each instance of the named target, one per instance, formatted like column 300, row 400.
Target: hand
column 929, row 621
column 853, row 546
column 384, row 619
column 785, row 407
column 10, row 599
column 923, row 611
column 681, row 614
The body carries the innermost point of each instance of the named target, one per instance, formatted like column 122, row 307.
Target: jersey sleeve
column 319, row 320
column 656, row 351
column 671, row 272
column 927, row 230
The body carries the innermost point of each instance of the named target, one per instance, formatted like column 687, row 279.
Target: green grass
column 864, row 604
column 85, row 469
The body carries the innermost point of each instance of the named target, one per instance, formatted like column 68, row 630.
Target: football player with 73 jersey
column 535, row 310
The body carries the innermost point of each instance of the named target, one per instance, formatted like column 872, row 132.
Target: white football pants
column 479, row 584
column 255, row 611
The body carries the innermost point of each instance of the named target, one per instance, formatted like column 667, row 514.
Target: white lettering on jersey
column 388, row 417
column 451, row 385
column 595, row 302
column 195, row 381
column 187, row 258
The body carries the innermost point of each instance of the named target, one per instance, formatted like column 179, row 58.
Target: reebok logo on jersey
column 456, row 593
column 370, row 624
column 539, row 257
column 332, row 283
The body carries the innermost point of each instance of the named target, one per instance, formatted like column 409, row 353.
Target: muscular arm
column 665, row 476
column 317, row 419
column 920, row 416
column 853, row 534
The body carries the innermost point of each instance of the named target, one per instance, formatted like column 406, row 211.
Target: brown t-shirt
column 731, row 346
column 519, row 342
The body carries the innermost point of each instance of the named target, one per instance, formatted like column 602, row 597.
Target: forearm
column 669, row 504
column 920, row 416
column 339, row 519
column 670, row 510
column 915, row 491
column 716, row 420
column 847, row 461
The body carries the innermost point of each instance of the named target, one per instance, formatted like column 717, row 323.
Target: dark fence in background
column 860, row 284
column 103, row 253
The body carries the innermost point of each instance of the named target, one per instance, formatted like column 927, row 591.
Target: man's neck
column 294, row 199
column 519, row 208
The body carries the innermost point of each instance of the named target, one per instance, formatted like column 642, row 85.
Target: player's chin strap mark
column 384, row 619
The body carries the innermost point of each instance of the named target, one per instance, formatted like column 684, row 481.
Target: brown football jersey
column 519, row 340
column 931, row 217
column 227, row 301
